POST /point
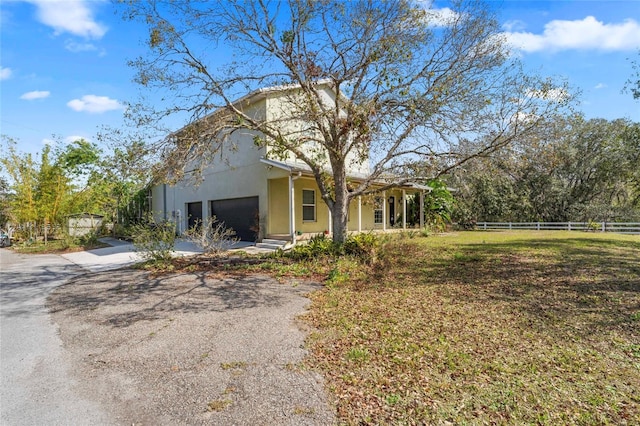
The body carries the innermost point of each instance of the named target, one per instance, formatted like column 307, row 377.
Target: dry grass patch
column 487, row 328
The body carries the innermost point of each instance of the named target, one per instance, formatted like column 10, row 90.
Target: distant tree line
column 42, row 190
column 570, row 168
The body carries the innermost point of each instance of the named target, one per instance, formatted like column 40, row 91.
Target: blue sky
column 63, row 71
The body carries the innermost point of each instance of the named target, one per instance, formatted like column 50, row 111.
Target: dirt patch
column 191, row 348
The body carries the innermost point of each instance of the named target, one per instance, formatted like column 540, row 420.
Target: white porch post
column 384, row 210
column 404, row 209
column 292, row 210
column 329, row 228
column 421, row 209
column 359, row 213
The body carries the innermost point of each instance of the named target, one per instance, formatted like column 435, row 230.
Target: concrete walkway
column 122, row 253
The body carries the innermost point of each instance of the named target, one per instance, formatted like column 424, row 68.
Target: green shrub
column 363, row 246
column 88, row 240
column 319, row 245
column 154, row 241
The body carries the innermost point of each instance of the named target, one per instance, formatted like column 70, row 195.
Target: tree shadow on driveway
column 133, row 295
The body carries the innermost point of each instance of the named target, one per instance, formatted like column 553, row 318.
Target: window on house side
column 377, row 211
column 308, row 205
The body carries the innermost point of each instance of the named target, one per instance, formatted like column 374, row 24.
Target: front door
column 194, row 214
column 392, row 210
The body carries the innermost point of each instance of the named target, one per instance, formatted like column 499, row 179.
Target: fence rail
column 618, row 227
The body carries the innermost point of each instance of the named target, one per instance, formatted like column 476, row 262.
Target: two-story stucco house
column 261, row 197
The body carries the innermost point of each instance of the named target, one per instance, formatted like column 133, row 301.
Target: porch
column 296, row 211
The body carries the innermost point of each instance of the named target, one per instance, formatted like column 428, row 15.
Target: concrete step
column 273, row 247
column 273, row 244
column 280, row 237
column 271, row 241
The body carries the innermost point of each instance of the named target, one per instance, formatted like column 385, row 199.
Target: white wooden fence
column 618, row 227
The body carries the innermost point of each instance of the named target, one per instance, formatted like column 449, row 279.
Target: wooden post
column 404, row 209
column 359, row 213
column 384, row 210
column 421, row 209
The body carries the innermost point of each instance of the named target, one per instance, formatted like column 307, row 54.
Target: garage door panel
column 239, row 214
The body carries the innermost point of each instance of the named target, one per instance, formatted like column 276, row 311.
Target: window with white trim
column 377, row 211
column 308, row 205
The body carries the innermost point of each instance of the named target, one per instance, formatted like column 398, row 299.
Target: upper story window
column 308, row 205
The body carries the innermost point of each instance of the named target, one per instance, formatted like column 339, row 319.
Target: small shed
column 81, row 224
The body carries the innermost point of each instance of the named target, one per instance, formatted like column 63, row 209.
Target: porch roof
column 306, row 170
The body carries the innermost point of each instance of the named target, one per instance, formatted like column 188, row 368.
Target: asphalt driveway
column 119, row 346
column 35, row 369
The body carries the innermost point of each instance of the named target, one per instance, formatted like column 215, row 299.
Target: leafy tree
column 122, row 175
column 569, row 169
column 633, row 84
column 46, row 191
column 4, row 202
column 412, row 83
column 52, row 190
column 438, row 205
column 22, row 173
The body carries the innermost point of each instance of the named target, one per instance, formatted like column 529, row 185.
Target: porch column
column 292, row 210
column 329, row 228
column 359, row 213
column 384, row 210
column 421, row 209
column 404, row 209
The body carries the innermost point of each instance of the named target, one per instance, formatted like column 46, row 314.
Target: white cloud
column 94, row 104
column 70, row 16
column 550, row 94
column 36, row 94
column 5, row 73
column 76, row 47
column 66, row 141
column 585, row 34
column 600, row 86
column 515, row 25
column 71, row 139
column 441, row 17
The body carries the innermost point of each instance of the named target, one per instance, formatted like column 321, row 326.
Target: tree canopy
column 412, row 84
column 570, row 168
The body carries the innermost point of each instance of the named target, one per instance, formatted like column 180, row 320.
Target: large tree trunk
column 339, row 217
column 340, row 208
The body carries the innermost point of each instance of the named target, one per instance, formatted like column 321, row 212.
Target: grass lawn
column 56, row 246
column 485, row 328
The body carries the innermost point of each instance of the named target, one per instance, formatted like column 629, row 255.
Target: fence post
column 509, row 225
column 569, row 226
column 538, row 226
column 604, row 227
column 485, row 226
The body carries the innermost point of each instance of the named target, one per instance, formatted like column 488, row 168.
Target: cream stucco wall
column 278, row 206
column 235, row 172
column 279, row 107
